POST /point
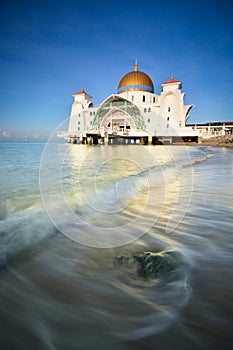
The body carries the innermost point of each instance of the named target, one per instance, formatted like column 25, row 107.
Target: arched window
column 153, row 99
column 133, row 98
column 169, row 109
column 180, row 123
column 168, row 118
column 143, row 98
column 149, row 110
column 148, row 120
column 90, row 113
column 144, row 110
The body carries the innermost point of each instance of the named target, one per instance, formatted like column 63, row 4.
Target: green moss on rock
column 149, row 264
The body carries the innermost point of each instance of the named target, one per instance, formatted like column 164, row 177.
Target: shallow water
column 59, row 286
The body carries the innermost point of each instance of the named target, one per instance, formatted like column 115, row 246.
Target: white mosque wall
column 140, row 98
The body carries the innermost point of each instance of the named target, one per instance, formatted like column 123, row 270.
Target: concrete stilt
column 149, row 140
column 142, row 140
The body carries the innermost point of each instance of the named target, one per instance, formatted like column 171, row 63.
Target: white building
column 136, row 113
column 212, row 129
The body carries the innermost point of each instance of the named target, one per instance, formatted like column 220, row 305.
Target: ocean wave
column 21, row 230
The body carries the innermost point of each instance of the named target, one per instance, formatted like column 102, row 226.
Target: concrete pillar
column 223, row 129
column 89, row 140
column 142, row 140
column 149, row 140
column 106, row 140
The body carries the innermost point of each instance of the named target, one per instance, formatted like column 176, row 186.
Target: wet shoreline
column 216, row 141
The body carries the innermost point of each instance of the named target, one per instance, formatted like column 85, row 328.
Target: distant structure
column 136, row 114
column 211, row 129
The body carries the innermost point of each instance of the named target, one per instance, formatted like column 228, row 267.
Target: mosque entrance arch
column 117, row 121
column 117, row 115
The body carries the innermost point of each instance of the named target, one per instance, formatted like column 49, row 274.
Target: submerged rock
column 151, row 265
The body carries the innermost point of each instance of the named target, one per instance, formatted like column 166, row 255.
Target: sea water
column 67, row 211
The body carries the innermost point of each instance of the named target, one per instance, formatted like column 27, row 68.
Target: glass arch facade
column 123, row 105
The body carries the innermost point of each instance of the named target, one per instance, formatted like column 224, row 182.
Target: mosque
column 135, row 114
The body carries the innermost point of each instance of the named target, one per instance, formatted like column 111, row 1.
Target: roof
column 172, row 80
column 211, row 124
column 81, row 92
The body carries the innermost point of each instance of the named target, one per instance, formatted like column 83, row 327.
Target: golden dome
column 136, row 81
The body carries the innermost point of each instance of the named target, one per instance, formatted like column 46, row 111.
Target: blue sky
column 51, row 49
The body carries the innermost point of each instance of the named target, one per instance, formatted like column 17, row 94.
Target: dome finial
column 136, row 65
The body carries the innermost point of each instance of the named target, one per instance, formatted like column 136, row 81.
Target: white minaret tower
column 172, row 105
column 82, row 101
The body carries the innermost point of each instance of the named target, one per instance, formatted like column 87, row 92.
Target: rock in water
column 151, row 265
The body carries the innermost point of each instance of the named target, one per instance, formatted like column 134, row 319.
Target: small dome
column 136, row 81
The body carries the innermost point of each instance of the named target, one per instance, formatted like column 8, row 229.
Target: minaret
column 81, row 102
